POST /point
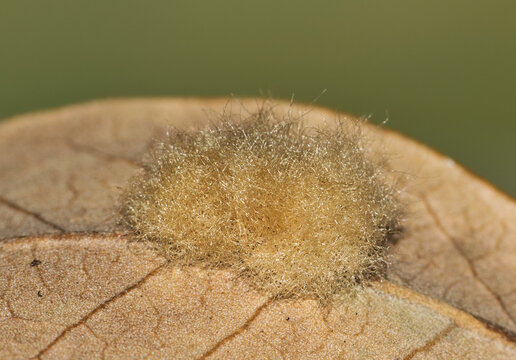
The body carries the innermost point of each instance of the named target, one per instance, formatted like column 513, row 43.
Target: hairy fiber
column 299, row 212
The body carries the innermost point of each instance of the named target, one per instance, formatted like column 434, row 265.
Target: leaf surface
column 450, row 291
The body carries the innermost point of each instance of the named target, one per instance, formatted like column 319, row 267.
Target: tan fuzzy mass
column 301, row 212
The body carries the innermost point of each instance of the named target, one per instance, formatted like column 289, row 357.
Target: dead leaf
column 451, row 290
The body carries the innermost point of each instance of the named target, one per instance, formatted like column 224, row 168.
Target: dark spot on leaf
column 35, row 262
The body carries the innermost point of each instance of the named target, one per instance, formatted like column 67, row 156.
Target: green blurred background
column 443, row 72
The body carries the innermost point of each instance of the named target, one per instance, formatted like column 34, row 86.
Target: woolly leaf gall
column 301, row 212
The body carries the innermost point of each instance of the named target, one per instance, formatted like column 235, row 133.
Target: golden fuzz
column 300, row 213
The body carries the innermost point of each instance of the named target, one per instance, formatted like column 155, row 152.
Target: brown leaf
column 94, row 296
